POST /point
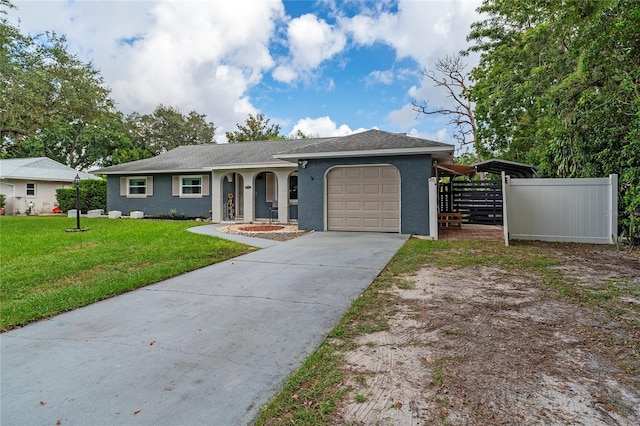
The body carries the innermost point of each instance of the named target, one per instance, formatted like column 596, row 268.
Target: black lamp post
column 77, row 182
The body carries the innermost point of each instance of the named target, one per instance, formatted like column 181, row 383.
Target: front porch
column 255, row 195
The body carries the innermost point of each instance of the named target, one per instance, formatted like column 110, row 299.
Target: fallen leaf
column 43, row 403
column 137, row 411
column 151, row 342
column 294, row 396
column 58, row 423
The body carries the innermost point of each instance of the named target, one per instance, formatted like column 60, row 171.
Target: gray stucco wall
column 415, row 171
column 160, row 202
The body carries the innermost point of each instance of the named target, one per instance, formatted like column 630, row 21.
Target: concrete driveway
column 208, row 347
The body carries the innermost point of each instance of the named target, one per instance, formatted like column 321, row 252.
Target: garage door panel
column 371, row 172
column 390, row 189
column 353, row 206
column 351, row 172
column 371, row 189
column 353, row 222
column 365, row 198
column 390, row 206
column 353, row 189
column 372, row 206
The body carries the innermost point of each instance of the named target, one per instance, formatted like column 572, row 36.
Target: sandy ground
column 490, row 346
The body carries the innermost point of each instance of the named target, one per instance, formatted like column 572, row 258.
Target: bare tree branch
column 451, row 76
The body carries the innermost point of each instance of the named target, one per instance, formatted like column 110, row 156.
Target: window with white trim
column 137, row 186
column 31, row 190
column 191, row 185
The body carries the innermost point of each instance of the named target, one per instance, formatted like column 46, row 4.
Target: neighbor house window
column 31, row 190
column 137, row 186
column 191, row 185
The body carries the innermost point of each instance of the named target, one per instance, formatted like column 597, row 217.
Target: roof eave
column 141, row 172
column 367, row 153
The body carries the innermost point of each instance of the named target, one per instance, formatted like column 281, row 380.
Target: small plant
column 3, row 201
column 173, row 213
column 360, row 398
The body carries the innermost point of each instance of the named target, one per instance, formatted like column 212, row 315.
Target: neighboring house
column 369, row 181
column 33, row 181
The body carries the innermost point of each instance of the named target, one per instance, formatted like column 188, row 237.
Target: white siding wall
column 569, row 210
column 18, row 200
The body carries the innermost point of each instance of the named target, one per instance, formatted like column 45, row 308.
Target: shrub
column 93, row 196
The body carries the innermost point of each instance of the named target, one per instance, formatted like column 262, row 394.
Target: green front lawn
column 45, row 270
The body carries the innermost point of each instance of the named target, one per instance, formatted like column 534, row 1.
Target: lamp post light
column 77, row 182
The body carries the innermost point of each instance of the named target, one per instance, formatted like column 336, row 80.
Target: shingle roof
column 371, row 140
column 39, row 168
column 275, row 153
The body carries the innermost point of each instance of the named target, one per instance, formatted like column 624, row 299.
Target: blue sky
column 323, row 67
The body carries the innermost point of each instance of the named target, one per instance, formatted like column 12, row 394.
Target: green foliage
column 3, row 200
column 167, row 128
column 54, row 105
column 256, row 128
column 43, row 86
column 92, row 196
column 64, row 271
column 557, row 86
column 95, row 194
column 66, row 198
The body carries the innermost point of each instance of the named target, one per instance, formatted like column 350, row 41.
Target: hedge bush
column 93, row 196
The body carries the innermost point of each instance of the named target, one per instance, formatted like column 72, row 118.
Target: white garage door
column 363, row 198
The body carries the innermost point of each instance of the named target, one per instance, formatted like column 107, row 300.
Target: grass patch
column 371, row 311
column 46, row 271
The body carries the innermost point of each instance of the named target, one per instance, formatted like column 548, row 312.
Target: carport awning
column 511, row 168
column 456, row 170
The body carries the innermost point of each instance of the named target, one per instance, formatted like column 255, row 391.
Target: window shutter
column 149, row 186
column 175, row 186
column 123, row 186
column 205, row 185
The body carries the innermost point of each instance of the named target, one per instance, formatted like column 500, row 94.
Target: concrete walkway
column 208, row 347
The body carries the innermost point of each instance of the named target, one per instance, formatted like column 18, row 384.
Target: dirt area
column 266, row 231
column 490, row 345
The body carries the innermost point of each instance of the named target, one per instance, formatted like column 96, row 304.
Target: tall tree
column 255, row 128
column 51, row 103
column 451, row 76
column 42, row 85
column 167, row 128
column 558, row 85
column 81, row 145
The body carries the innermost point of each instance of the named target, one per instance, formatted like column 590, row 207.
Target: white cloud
column 192, row 55
column 404, row 117
column 284, row 73
column 423, row 30
column 322, row 127
column 382, row 77
column 311, row 41
column 441, row 135
column 209, row 64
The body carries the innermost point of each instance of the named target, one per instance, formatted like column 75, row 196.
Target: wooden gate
column 479, row 201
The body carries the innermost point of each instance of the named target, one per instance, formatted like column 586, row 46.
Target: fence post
column 613, row 206
column 433, row 208
column 505, row 199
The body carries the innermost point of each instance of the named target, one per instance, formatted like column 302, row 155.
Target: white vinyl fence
column 566, row 210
